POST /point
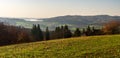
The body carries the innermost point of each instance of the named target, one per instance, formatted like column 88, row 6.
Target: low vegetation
column 107, row 46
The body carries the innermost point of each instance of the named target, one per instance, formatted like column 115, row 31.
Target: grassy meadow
column 107, row 46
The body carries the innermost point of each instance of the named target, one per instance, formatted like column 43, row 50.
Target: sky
column 52, row 8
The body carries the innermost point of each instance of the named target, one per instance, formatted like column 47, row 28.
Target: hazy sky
column 51, row 8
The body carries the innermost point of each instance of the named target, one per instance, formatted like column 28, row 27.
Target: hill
column 82, row 47
column 71, row 20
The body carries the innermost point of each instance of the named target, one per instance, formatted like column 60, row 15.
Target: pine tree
column 88, row 31
column 62, row 31
column 57, row 32
column 77, row 32
column 67, row 32
column 47, row 34
column 34, row 31
column 39, row 34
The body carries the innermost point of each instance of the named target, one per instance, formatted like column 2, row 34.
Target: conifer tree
column 62, row 31
column 57, row 32
column 88, row 31
column 34, row 31
column 39, row 33
column 47, row 34
column 67, row 32
column 77, row 32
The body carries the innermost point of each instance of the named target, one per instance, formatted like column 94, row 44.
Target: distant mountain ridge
column 71, row 20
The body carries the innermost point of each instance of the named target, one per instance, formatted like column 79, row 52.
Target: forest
column 16, row 34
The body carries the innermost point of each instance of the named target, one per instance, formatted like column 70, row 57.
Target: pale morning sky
column 51, row 8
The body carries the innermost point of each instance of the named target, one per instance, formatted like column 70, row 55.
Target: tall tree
column 47, row 34
column 39, row 33
column 34, row 31
column 67, row 32
column 56, row 32
column 62, row 31
column 77, row 32
column 88, row 31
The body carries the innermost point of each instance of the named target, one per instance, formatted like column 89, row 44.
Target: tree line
column 112, row 27
column 14, row 35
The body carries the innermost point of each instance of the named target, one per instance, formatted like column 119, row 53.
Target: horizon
column 54, row 8
column 60, row 16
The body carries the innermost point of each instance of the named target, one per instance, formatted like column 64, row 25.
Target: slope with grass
column 81, row 47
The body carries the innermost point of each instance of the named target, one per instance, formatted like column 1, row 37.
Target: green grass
column 82, row 47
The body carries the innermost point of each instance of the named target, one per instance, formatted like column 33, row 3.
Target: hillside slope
column 81, row 47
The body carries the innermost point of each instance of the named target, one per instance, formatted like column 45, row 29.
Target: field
column 82, row 47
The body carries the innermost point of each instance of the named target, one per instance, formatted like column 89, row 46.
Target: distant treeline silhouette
column 14, row 35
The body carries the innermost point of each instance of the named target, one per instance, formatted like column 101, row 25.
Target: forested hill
column 71, row 20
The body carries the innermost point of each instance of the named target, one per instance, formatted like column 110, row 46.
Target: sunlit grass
column 85, row 47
